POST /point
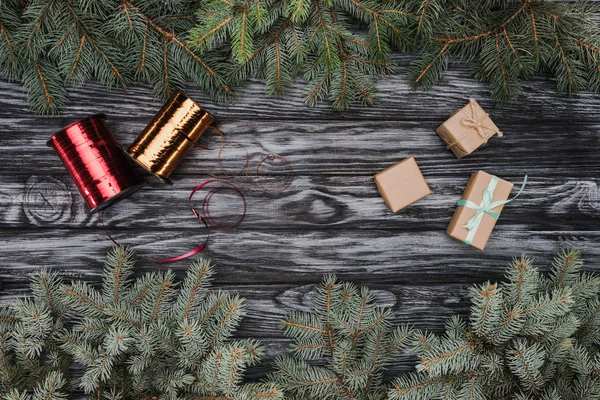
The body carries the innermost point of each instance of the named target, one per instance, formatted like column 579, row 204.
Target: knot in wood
column 47, row 200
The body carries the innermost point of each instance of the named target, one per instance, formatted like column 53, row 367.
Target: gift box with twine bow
column 467, row 129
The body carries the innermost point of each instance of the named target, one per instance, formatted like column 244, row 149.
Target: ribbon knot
column 470, row 120
column 476, row 124
column 485, row 207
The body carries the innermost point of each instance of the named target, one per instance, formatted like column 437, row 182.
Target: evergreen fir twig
column 507, row 42
column 335, row 46
column 533, row 337
column 280, row 41
column 136, row 338
column 50, row 44
column 342, row 348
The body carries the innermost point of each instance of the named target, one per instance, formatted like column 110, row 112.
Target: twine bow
column 471, row 121
column 486, row 207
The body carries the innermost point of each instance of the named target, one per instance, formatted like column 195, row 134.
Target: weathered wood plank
column 331, row 219
column 311, row 202
column 299, row 256
column 566, row 148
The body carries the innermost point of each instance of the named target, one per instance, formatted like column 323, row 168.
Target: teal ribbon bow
column 486, row 207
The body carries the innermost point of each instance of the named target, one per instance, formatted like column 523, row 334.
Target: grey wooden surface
column 331, row 219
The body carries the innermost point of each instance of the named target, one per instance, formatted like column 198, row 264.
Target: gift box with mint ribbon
column 479, row 208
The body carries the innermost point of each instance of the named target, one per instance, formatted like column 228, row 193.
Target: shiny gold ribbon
column 173, row 132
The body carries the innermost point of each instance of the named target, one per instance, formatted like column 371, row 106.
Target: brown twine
column 473, row 123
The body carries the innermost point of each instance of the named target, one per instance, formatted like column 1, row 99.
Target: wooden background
column 331, row 219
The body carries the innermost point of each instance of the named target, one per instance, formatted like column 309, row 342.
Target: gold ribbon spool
column 171, row 134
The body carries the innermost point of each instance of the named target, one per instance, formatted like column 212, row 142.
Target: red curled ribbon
column 206, row 206
column 205, row 210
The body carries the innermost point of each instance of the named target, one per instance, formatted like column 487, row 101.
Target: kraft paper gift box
column 482, row 187
column 467, row 129
column 402, row 184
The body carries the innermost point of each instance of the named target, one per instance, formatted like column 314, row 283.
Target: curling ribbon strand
column 486, row 207
column 189, row 253
column 202, row 218
column 171, row 259
column 206, row 207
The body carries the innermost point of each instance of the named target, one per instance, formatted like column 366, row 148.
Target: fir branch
column 197, row 287
column 37, row 23
column 425, row 70
column 493, row 31
column 168, row 36
column 534, row 346
column 144, row 47
column 400, row 390
column 422, row 15
column 161, row 295
column 80, row 349
column 561, row 301
column 522, row 268
column 374, row 360
column 428, row 363
column 301, row 326
column 43, row 284
column 354, row 336
column 535, row 34
column 588, row 46
column 167, row 89
column 82, row 299
column 337, row 47
column 566, row 267
column 361, row 310
column 118, row 277
column 198, row 41
column 501, row 67
column 211, row 312
column 132, row 336
column 232, row 309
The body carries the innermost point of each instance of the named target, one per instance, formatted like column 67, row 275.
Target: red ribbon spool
column 97, row 164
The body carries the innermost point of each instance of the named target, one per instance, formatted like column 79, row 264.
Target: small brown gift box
column 467, row 129
column 474, row 192
column 402, row 184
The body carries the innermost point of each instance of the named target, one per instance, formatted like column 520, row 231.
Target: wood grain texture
column 331, row 219
column 332, row 201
